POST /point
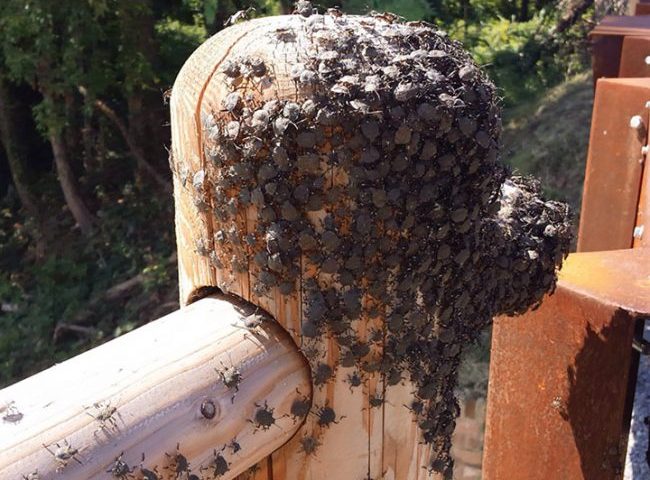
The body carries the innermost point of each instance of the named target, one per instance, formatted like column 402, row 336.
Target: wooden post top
column 342, row 173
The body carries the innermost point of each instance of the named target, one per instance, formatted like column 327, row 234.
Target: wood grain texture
column 357, row 447
column 157, row 377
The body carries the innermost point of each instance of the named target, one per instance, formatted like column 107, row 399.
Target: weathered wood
column 352, row 449
column 155, row 382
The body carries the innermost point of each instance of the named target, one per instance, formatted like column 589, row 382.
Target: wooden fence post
column 341, row 173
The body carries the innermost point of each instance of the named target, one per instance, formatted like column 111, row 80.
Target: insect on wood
column 179, row 464
column 148, row 474
column 231, row 378
column 120, row 469
column 12, row 414
column 239, row 16
column 105, row 415
column 263, row 418
column 63, row 454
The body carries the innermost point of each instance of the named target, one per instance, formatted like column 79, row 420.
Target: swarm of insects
column 380, row 176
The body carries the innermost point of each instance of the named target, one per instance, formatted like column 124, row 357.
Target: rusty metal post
column 635, row 57
column 642, row 8
column 561, row 377
column 607, row 41
column 619, row 131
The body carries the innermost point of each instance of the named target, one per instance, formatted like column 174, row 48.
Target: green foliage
column 523, row 58
column 39, row 294
column 409, row 9
column 548, row 138
column 177, row 41
column 49, row 44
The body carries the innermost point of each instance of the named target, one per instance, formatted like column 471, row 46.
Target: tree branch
column 133, row 147
column 114, row 293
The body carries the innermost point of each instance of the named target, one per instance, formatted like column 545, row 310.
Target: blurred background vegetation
column 86, row 214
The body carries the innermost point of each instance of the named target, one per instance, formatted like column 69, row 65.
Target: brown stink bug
column 231, row 378
column 105, row 416
column 239, row 16
column 11, row 413
column 376, row 401
column 322, row 374
column 252, row 322
column 327, row 416
column 416, row 407
column 219, row 464
column 354, row 380
column 120, row 469
column 148, row 474
column 178, row 463
column 263, row 418
column 309, row 444
column 300, row 407
column 63, row 454
column 234, row 445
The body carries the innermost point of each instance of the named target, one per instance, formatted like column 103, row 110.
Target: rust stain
column 614, row 165
column 559, row 388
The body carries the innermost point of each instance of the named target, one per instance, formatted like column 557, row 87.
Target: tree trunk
column 135, row 149
column 88, row 141
column 572, row 13
column 523, row 13
column 68, row 182
column 146, row 113
column 17, row 161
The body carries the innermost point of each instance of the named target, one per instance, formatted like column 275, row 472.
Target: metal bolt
column 208, row 409
column 638, row 231
column 636, row 122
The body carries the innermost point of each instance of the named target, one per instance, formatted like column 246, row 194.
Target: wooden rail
column 207, row 389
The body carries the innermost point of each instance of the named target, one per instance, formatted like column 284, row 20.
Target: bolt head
column 208, row 409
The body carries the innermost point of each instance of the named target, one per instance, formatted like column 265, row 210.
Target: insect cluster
column 376, row 192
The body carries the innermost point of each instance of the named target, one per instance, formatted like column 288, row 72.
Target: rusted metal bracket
column 614, row 171
column 607, row 42
column 562, row 377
